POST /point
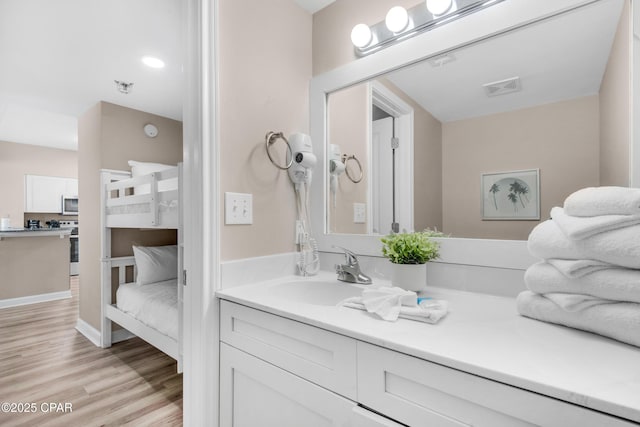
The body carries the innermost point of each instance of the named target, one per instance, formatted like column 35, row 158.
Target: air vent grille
column 502, row 87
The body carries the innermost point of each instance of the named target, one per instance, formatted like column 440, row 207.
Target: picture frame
column 512, row 195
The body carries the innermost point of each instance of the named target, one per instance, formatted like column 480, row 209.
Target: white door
column 256, row 393
column 381, row 187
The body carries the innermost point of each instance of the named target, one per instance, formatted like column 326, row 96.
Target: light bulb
column 397, row 19
column 438, row 7
column 361, row 35
column 152, row 62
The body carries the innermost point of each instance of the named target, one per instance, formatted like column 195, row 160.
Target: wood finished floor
column 43, row 359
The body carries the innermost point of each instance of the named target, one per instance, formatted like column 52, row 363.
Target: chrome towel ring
column 345, row 159
column 271, row 138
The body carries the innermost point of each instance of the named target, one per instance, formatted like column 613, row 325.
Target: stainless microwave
column 69, row 205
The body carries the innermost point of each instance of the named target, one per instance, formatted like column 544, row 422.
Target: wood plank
column 44, row 359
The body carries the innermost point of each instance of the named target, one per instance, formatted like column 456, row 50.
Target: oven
column 74, row 248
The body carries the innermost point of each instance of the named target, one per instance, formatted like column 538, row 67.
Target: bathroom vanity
column 291, row 356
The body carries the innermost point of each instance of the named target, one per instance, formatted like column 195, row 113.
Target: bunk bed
column 148, row 300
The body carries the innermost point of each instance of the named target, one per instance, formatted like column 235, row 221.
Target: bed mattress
column 155, row 305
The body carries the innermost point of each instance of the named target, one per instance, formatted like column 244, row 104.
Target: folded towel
column 432, row 313
column 595, row 201
column 620, row 247
column 389, row 303
column 617, row 284
column 577, row 227
column 620, row 321
column 575, row 302
column 574, row 268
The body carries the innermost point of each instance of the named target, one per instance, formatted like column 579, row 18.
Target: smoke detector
column 502, row 87
column 123, row 87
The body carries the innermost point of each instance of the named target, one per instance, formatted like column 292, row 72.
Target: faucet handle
column 350, row 257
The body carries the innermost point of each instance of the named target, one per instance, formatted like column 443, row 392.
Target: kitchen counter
column 37, row 232
column 481, row 335
column 34, row 265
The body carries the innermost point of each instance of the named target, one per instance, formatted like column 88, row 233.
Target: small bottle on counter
column 5, row 222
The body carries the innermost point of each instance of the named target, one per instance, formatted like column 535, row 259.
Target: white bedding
column 155, row 305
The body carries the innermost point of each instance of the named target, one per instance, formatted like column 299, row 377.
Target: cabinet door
column 44, row 193
column 70, row 187
column 361, row 417
column 256, row 393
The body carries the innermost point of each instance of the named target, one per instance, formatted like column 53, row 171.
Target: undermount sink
column 316, row 292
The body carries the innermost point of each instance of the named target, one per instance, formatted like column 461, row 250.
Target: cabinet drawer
column 322, row 357
column 416, row 392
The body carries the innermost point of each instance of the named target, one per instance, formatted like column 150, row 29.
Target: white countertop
column 41, row 232
column 485, row 336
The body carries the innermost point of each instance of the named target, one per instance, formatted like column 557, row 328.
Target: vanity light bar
column 420, row 19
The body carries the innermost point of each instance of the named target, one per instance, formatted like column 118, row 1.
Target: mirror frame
column 496, row 20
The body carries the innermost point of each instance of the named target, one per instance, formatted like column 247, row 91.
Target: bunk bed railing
column 123, row 192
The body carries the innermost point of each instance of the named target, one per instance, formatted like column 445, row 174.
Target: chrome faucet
column 350, row 271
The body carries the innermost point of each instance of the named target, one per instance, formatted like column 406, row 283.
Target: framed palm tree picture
column 511, row 195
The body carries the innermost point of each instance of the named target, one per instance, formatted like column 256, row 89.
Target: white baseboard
column 33, row 299
column 91, row 333
column 121, row 335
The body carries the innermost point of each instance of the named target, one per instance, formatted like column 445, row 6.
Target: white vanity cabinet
column 270, row 368
column 280, row 372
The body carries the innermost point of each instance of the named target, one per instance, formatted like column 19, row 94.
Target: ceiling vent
column 442, row 60
column 502, row 87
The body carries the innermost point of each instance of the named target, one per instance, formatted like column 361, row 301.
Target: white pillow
column 145, row 168
column 156, row 263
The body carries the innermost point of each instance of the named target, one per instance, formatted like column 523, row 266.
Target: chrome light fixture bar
column 419, row 19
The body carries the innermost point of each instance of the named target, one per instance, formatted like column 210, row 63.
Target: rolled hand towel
column 574, row 268
column 620, row 321
column 620, row 247
column 617, row 284
column 593, row 201
column 576, row 227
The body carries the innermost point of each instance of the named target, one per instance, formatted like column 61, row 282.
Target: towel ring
column 271, row 138
column 345, row 159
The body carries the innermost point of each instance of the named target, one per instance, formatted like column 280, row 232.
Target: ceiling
column 558, row 59
column 312, row 6
column 61, row 57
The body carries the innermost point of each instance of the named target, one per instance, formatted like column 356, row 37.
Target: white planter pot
column 412, row 277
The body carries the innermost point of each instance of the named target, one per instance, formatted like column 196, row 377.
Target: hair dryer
column 300, row 174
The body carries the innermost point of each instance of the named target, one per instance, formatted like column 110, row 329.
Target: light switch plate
column 238, row 208
column 359, row 213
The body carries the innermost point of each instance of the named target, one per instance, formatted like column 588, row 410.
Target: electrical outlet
column 238, row 208
column 359, row 213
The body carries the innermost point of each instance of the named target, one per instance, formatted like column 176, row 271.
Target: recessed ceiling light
column 152, row 62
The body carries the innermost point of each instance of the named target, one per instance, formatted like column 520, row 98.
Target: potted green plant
column 409, row 253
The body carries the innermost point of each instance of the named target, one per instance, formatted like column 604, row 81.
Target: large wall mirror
column 441, row 136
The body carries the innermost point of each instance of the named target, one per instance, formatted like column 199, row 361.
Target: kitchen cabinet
column 308, row 374
column 44, row 193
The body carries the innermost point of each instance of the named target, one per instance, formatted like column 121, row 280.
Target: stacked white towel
column 589, row 278
column 390, row 303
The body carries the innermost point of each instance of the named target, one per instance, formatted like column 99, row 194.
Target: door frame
column 200, row 212
column 382, row 97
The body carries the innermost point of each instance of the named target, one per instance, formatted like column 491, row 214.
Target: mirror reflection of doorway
column 391, row 186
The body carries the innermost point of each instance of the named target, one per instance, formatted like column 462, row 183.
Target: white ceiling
column 312, row 6
column 61, row 57
column 558, row 59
